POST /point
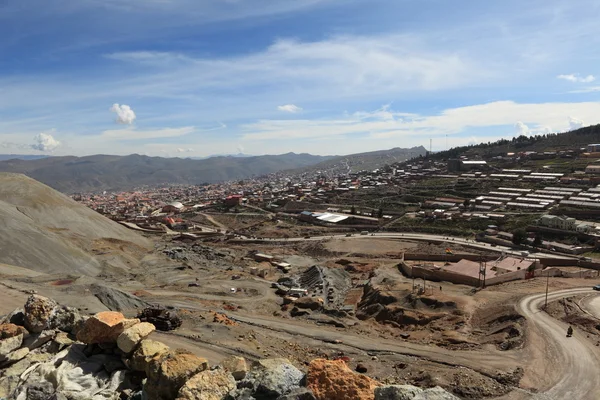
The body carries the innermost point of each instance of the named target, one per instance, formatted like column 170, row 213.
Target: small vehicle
column 597, row 287
column 364, row 233
column 348, row 234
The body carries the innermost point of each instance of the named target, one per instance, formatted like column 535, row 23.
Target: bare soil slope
column 46, row 231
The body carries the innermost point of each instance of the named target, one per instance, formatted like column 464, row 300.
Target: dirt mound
column 500, row 325
column 117, row 300
column 48, row 232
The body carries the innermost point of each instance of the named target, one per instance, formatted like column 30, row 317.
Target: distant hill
column 21, row 157
column 46, row 231
column 103, row 172
column 342, row 165
column 539, row 143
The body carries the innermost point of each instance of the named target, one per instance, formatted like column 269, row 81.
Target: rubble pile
column 163, row 320
column 50, row 352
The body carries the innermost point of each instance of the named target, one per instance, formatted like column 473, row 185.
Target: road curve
column 408, row 236
column 567, row 367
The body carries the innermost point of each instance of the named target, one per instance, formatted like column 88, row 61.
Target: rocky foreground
column 51, row 352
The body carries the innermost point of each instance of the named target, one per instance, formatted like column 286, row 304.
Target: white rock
column 129, row 339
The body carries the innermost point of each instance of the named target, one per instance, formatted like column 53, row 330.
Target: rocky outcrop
column 117, row 362
column 310, row 303
column 333, row 380
column 104, row 327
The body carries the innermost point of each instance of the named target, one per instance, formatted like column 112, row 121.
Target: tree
column 537, row 241
column 353, row 210
column 380, row 213
column 519, row 236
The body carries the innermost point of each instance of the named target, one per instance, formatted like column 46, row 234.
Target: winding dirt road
column 561, row 367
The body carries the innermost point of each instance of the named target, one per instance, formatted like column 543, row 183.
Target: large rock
column 333, row 380
column 311, row 303
column 208, row 385
column 167, row 374
column 274, row 377
column 409, row 392
column 9, row 345
column 65, row 318
column 104, row 327
column 129, row 339
column 236, row 366
column 146, row 351
column 38, row 310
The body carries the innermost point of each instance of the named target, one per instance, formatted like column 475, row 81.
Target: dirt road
column 560, row 367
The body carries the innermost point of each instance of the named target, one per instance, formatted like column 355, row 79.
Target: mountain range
column 70, row 174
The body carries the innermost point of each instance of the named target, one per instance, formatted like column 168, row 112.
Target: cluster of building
column 537, row 200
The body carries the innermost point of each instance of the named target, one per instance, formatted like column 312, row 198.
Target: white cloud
column 591, row 89
column 576, row 78
column 125, row 114
column 134, row 134
column 291, row 108
column 390, row 124
column 181, row 150
column 521, row 129
column 45, row 142
column 575, row 123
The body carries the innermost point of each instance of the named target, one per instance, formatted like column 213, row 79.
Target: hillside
column 21, row 157
column 363, row 161
column 103, row 172
column 46, row 231
column 539, row 143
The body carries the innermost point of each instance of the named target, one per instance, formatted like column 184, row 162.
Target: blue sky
column 193, row 78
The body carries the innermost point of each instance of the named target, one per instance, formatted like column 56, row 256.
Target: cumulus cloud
column 522, row 129
column 125, row 114
column 45, row 142
column 575, row 123
column 291, row 108
column 576, row 78
column 188, row 150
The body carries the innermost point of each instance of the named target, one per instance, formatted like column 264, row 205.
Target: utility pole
column 547, row 283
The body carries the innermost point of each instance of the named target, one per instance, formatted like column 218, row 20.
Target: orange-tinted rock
column 10, row 330
column 104, row 327
column 333, row 380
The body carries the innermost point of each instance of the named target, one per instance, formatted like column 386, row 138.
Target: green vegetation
column 519, row 237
